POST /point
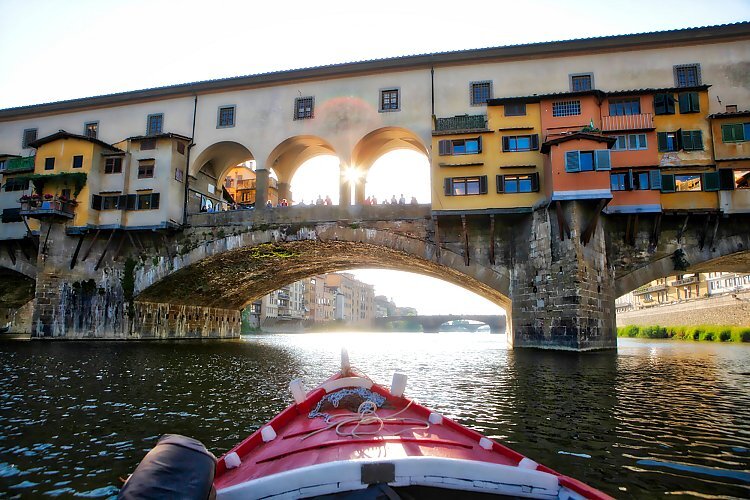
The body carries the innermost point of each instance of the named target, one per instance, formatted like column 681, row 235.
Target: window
column 566, row 108
column 113, row 165
column 145, row 169
column 111, row 203
column 692, row 140
column 481, row 92
column 687, row 75
column 582, row 161
column 689, row 182
column 689, row 102
column 154, row 124
column 668, row 141
column 735, row 132
column 389, row 100
column 640, row 181
column 618, row 182
column 91, row 129
column 181, row 147
column 2, row 165
column 77, row 161
column 29, row 136
column 178, row 174
column 664, row 104
column 522, row 183
column 622, row 107
column 16, row 185
column 515, row 109
column 303, row 108
column 630, row 142
column 580, row 82
column 148, row 201
column 460, row 146
column 741, row 179
column 49, row 164
column 147, row 144
column 520, row 142
column 225, row 117
column 465, row 186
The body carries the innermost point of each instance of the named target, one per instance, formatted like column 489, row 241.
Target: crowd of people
column 370, row 200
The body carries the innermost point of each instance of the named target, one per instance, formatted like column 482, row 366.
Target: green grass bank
column 706, row 333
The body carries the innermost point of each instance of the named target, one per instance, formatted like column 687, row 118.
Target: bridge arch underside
column 234, row 278
column 16, row 289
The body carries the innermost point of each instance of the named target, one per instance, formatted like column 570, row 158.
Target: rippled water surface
column 654, row 418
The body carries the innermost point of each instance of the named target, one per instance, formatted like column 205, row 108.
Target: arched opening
column 240, row 184
column 316, row 181
column 206, row 189
column 16, row 300
column 319, row 157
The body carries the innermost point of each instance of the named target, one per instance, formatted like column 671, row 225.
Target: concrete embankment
column 726, row 310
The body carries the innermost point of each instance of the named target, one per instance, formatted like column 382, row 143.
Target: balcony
column 461, row 123
column 18, row 165
column 685, row 281
column 48, row 209
column 650, row 289
column 644, row 121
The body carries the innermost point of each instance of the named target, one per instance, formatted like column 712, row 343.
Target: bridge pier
column 261, row 187
column 562, row 288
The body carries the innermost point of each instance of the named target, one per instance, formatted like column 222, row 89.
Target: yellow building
column 240, row 182
column 731, row 142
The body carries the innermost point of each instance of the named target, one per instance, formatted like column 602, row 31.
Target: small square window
column 145, row 169
column 303, row 108
column 581, row 82
column 113, row 165
column 181, row 148
column 389, row 100
column 481, row 92
column 147, row 144
column 91, row 129
column 515, row 109
column 77, row 161
column 49, row 164
column 225, row 118
column 566, row 108
column 687, row 75
column 154, row 124
column 29, row 136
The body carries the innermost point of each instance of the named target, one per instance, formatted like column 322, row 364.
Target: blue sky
column 53, row 50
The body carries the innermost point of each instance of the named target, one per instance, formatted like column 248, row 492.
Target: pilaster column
column 345, row 188
column 261, row 187
column 359, row 191
column 284, row 191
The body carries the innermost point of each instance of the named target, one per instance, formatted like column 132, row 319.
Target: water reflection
column 655, row 418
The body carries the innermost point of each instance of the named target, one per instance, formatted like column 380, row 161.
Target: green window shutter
column 535, row 142
column 482, row 184
column 448, row 186
column 154, row 200
column 506, row 143
column 667, row 183
column 661, row 141
column 602, row 159
column 96, row 202
column 445, row 147
column 684, row 100
column 535, row 182
column 698, row 140
column 726, row 133
column 695, row 102
column 572, row 162
column 659, row 104
column 669, row 102
column 726, row 179
column 132, row 200
column 499, row 179
column 654, row 179
column 479, row 142
column 687, row 140
column 711, row 181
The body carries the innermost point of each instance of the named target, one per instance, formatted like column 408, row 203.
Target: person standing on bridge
column 402, row 200
column 319, row 201
column 328, row 200
column 394, row 201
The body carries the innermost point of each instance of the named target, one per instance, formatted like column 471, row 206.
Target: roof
column 686, row 36
column 600, row 94
column 165, row 135
column 61, row 134
column 578, row 135
column 730, row 114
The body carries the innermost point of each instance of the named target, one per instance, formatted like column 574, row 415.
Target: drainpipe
column 432, row 89
column 187, row 165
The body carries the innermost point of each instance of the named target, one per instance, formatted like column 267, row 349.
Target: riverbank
column 706, row 333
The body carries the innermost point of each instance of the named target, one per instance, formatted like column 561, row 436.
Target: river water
column 655, row 418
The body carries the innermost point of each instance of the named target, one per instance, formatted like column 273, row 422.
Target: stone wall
column 724, row 310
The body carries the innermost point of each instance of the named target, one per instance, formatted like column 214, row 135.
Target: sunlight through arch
column 316, row 177
column 398, row 172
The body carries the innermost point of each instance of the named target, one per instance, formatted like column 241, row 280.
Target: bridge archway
column 232, row 271
column 291, row 154
column 377, row 144
column 209, row 170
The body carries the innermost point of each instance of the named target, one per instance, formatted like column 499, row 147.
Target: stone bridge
column 559, row 291
column 432, row 323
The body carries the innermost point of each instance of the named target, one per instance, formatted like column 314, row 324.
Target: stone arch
column 377, row 143
column 291, row 153
column 234, row 270
column 16, row 287
column 219, row 157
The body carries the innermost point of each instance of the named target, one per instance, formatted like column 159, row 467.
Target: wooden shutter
column 482, row 184
column 154, row 200
column 479, row 144
column 629, row 180
column 661, row 141
column 444, row 147
column 669, row 103
column 688, row 102
column 448, row 186
column 711, row 181
column 654, row 179
column 534, row 142
column 697, row 140
column 500, row 181
column 535, row 182
column 726, row 179
column 660, row 107
column 687, row 140
column 667, row 183
column 572, row 162
column 506, row 143
column 131, row 203
column 122, row 201
column 96, row 202
column 602, row 159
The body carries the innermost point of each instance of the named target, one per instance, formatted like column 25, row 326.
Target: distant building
column 682, row 287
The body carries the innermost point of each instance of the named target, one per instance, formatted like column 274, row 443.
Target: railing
column 461, row 122
column 43, row 208
column 251, row 183
column 25, row 164
column 654, row 288
column 628, row 122
column 685, row 281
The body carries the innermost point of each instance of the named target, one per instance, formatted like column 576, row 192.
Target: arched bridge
column 432, row 323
